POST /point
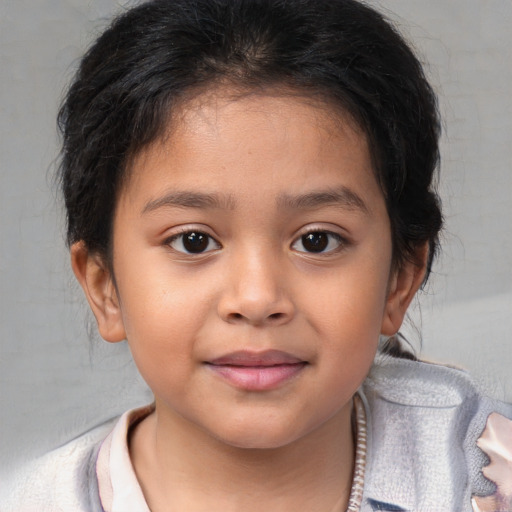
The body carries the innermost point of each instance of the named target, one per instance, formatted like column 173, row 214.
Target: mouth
column 257, row 371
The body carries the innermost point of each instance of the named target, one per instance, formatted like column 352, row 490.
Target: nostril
column 273, row 317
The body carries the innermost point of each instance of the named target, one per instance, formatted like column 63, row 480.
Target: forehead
column 220, row 110
column 271, row 141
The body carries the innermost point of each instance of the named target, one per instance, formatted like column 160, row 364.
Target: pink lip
column 257, row 371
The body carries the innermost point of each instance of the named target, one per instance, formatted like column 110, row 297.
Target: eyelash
column 180, row 237
column 330, row 237
column 205, row 241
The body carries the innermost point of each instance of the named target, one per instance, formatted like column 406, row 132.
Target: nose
column 255, row 292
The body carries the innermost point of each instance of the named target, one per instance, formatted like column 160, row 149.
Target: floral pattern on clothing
column 496, row 443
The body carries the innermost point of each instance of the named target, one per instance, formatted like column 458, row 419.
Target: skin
column 278, row 167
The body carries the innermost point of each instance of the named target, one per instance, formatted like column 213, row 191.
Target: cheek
column 162, row 316
column 351, row 300
column 156, row 296
column 346, row 310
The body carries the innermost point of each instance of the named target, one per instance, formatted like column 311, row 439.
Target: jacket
column 424, row 422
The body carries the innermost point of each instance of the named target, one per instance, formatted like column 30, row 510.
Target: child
column 248, row 186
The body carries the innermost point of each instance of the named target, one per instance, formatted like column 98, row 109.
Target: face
column 252, row 262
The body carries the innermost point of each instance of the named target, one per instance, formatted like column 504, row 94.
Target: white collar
column 118, row 486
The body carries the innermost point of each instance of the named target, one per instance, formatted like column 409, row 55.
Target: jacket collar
column 416, row 428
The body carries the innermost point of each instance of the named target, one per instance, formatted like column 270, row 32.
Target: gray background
column 55, row 381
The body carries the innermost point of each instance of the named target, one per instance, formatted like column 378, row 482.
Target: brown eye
column 315, row 242
column 318, row 242
column 193, row 242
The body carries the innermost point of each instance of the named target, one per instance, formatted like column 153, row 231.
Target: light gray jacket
column 423, row 421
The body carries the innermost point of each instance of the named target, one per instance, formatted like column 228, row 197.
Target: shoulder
column 425, row 421
column 423, row 385
column 63, row 480
column 418, row 382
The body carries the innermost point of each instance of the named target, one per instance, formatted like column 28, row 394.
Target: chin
column 266, row 436
column 258, row 442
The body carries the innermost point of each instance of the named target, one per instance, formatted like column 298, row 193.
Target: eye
column 318, row 242
column 193, row 242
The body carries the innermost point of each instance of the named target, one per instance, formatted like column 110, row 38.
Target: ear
column 95, row 278
column 403, row 285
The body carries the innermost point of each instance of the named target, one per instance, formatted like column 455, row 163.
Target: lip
column 257, row 371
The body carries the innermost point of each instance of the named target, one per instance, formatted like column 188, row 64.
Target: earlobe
column 403, row 285
column 96, row 281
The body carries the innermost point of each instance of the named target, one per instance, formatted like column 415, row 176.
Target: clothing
column 423, row 424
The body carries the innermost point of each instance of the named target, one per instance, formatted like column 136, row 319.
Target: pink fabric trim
column 496, row 443
column 118, row 486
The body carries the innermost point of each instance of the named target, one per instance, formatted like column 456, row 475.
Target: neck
column 181, row 467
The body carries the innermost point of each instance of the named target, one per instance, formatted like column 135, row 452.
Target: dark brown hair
column 341, row 51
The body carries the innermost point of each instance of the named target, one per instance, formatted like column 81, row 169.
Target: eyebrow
column 188, row 199
column 342, row 196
